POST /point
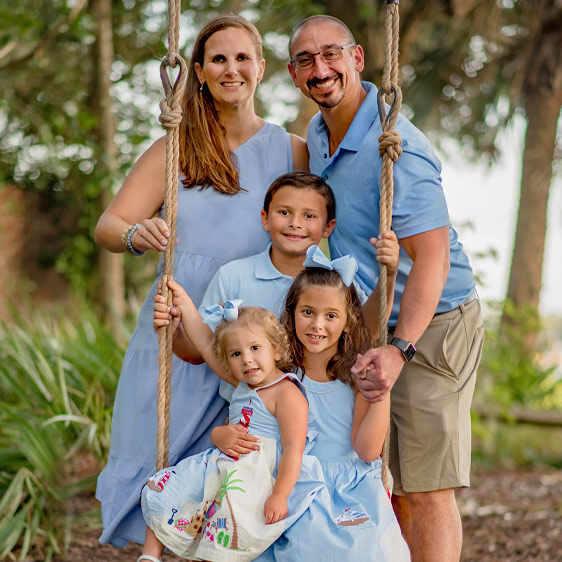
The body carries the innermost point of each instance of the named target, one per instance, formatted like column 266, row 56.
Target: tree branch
column 43, row 43
column 516, row 414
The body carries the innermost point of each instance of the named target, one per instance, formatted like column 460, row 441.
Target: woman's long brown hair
column 205, row 158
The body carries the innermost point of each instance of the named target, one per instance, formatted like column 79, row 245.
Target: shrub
column 58, row 376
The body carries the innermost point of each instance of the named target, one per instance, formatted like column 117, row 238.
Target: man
column 435, row 308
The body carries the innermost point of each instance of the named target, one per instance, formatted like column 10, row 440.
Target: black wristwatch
column 407, row 348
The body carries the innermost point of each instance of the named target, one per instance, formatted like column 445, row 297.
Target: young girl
column 214, row 507
column 351, row 518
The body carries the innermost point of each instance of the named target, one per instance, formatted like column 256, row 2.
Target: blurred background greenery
column 79, row 84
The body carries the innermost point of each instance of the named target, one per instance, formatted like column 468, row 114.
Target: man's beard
column 329, row 103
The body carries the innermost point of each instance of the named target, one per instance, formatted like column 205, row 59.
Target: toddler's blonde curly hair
column 258, row 320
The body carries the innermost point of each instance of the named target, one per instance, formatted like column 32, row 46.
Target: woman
column 228, row 158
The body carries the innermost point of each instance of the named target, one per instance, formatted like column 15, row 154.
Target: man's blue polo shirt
column 353, row 172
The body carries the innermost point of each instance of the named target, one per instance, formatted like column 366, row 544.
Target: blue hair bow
column 346, row 266
column 214, row 315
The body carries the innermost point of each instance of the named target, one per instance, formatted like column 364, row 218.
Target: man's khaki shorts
column 430, row 404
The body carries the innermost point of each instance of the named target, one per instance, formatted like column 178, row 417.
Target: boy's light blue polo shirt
column 254, row 279
column 353, row 172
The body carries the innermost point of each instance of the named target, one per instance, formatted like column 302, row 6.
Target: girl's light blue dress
column 212, row 229
column 352, row 517
column 211, row 506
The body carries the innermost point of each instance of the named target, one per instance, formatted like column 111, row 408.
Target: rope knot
column 171, row 59
column 169, row 117
column 391, row 144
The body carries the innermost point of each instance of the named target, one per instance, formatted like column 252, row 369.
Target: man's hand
column 377, row 370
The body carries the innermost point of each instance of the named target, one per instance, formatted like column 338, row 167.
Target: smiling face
column 296, row 220
column 320, row 319
column 251, row 357
column 231, row 67
column 326, row 83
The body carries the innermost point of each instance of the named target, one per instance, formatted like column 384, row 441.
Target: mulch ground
column 513, row 516
column 508, row 516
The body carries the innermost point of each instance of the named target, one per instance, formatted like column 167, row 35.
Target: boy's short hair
column 303, row 180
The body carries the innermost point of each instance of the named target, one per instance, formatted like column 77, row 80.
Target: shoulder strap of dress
column 293, row 378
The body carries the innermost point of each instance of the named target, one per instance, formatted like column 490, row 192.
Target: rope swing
column 390, row 149
column 170, row 117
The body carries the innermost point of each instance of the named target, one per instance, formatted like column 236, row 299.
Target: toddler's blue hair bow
column 346, row 266
column 214, row 315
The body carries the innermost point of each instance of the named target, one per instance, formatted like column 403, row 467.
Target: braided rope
column 390, row 149
column 170, row 117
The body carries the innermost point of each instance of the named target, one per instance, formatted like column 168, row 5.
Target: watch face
column 409, row 351
column 407, row 348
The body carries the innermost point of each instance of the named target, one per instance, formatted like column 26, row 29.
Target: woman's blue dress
column 212, row 229
column 351, row 518
column 211, row 506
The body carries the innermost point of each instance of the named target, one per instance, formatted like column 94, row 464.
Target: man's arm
column 429, row 252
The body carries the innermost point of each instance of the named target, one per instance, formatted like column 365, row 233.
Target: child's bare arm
column 370, row 423
column 199, row 333
column 291, row 411
column 181, row 344
column 388, row 252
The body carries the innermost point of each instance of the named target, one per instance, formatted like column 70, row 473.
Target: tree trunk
column 543, row 109
column 111, row 265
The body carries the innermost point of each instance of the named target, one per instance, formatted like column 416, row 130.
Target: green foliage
column 499, row 443
column 58, row 378
column 49, row 140
column 510, row 375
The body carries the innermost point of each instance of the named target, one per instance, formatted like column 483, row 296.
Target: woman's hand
column 388, row 250
column 234, row 440
column 152, row 234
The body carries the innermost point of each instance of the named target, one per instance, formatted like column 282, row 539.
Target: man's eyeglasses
column 331, row 54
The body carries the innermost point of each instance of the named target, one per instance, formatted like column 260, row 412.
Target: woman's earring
column 201, row 87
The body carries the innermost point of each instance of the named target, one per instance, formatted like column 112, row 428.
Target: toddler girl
column 351, row 518
column 215, row 507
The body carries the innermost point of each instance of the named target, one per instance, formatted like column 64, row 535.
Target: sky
column 483, row 204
